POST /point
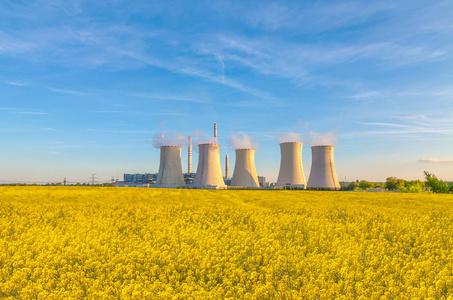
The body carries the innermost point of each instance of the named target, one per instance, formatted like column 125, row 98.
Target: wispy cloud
column 387, row 125
column 397, row 132
column 435, row 161
column 30, row 113
column 222, row 66
column 186, row 67
column 243, row 103
column 25, row 129
column 122, row 131
column 365, row 95
column 413, row 126
column 66, row 91
column 15, row 83
column 13, row 46
column 312, row 16
column 138, row 113
column 158, row 97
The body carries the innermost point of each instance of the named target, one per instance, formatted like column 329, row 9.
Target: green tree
column 352, row 186
column 414, row 186
column 436, row 185
column 365, row 185
column 393, row 183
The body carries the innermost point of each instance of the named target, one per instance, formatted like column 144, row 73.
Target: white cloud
column 365, row 95
column 66, row 91
column 15, row 83
column 435, row 161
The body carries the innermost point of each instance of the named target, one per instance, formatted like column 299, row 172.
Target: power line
column 93, row 178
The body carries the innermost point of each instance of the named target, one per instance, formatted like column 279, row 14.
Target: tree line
column 431, row 184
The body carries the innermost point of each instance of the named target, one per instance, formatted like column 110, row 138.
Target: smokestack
column 170, row 169
column 209, row 171
column 322, row 173
column 244, row 169
column 291, row 169
column 215, row 130
column 189, row 160
column 226, row 166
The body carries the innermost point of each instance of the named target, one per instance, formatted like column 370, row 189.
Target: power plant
column 291, row 169
column 244, row 169
column 209, row 173
column 322, row 173
column 170, row 169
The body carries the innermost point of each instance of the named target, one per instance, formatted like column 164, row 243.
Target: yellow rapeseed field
column 138, row 243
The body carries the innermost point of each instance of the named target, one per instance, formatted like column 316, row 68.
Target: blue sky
column 85, row 84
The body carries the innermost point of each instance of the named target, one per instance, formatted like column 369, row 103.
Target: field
column 137, row 243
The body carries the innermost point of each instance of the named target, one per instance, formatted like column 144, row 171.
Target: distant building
column 137, row 180
column 262, row 181
column 189, row 177
column 145, row 178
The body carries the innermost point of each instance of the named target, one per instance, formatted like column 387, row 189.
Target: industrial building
column 137, row 180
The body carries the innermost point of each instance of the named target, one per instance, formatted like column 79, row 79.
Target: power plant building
column 291, row 169
column 209, row 172
column 323, row 174
column 137, row 177
column 244, row 169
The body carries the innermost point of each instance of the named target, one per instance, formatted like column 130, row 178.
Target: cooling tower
column 323, row 174
column 170, row 169
column 244, row 169
column 209, row 172
column 291, row 169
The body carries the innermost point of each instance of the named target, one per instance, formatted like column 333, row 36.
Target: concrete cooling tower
column 209, row 172
column 291, row 169
column 244, row 169
column 323, row 174
column 170, row 169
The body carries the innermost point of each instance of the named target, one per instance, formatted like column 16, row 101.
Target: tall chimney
column 189, row 163
column 215, row 130
column 226, row 166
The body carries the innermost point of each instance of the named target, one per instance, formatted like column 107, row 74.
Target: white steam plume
column 203, row 138
column 241, row 140
column 317, row 139
column 171, row 138
column 313, row 138
column 168, row 138
column 290, row 137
